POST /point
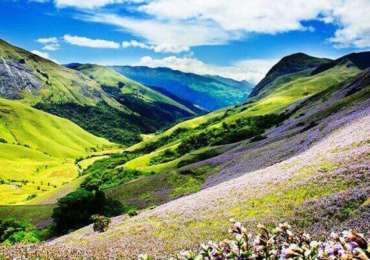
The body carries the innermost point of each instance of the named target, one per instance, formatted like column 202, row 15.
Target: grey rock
column 16, row 78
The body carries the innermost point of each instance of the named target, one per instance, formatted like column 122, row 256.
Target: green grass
column 21, row 125
column 38, row 151
column 160, row 153
column 159, row 188
column 32, row 213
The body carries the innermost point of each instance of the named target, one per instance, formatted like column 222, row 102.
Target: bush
column 199, row 157
column 14, row 231
column 3, row 141
column 167, row 156
column 103, row 173
column 101, row 223
column 75, row 209
column 32, row 196
column 132, row 212
column 279, row 243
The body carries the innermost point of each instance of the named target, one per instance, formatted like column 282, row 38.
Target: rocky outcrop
column 16, row 78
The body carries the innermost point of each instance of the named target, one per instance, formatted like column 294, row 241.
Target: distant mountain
column 287, row 65
column 206, row 92
column 107, row 77
column 96, row 98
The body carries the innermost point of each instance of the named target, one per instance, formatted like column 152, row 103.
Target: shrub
column 101, row 223
column 75, row 209
column 166, row 156
column 13, row 231
column 132, row 212
column 32, row 196
column 199, row 157
column 3, row 141
column 103, row 173
column 279, row 243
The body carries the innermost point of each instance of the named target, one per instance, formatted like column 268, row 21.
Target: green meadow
column 38, row 151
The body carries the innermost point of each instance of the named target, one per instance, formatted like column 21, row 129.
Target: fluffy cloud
column 91, row 43
column 86, row 4
column 261, row 16
column 165, row 36
column 353, row 19
column 177, row 25
column 90, row 4
column 251, row 70
column 136, row 44
column 43, row 54
column 50, row 44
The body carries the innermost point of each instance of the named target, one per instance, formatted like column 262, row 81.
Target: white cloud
column 178, row 25
column 91, row 43
column 261, row 16
column 166, row 36
column 41, row 54
column 91, row 4
column 50, row 44
column 85, row 4
column 353, row 18
column 251, row 70
column 44, row 55
column 135, row 44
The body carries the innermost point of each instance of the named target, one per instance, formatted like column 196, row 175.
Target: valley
column 174, row 169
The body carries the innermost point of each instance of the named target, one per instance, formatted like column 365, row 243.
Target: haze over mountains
column 207, row 92
column 185, row 152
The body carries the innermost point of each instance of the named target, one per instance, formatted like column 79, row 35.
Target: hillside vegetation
column 313, row 175
column 98, row 99
column 296, row 151
column 38, row 151
column 163, row 163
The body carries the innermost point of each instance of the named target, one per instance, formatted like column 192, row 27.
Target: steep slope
column 33, row 79
column 165, row 160
column 114, row 111
column 37, row 151
column 206, row 92
column 290, row 64
column 311, row 170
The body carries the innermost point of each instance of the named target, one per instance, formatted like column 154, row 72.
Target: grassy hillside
column 165, row 160
column 310, row 170
column 98, row 99
column 51, row 83
column 207, row 92
column 38, row 150
column 288, row 65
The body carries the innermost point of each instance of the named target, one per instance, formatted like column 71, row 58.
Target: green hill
column 38, row 151
column 298, row 152
column 169, row 154
column 298, row 62
column 97, row 99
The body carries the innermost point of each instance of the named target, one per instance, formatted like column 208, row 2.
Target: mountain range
column 192, row 151
column 206, row 92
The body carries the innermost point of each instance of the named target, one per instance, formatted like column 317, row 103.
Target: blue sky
column 235, row 38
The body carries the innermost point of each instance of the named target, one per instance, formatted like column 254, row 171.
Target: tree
column 75, row 209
